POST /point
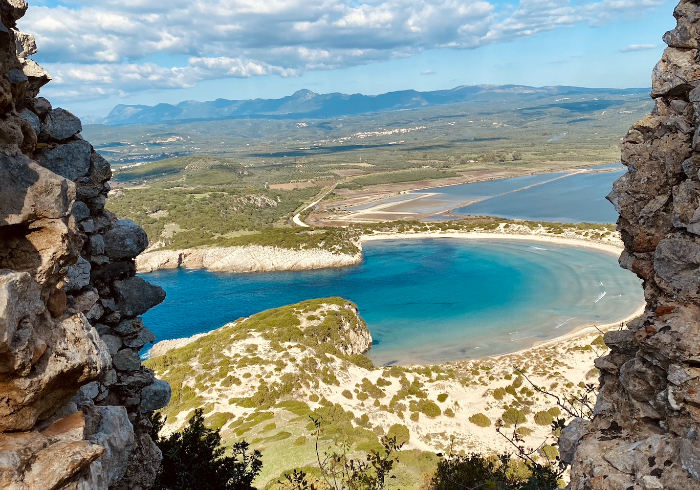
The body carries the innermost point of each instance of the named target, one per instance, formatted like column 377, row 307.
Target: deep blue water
column 424, row 300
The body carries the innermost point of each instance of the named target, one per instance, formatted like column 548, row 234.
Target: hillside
column 260, row 378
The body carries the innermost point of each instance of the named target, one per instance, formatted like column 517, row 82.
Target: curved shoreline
column 257, row 258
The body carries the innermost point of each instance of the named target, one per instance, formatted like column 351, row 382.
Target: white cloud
column 637, row 47
column 427, row 72
column 134, row 45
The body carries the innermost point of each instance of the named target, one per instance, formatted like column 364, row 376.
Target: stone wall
column 647, row 418
column 73, row 394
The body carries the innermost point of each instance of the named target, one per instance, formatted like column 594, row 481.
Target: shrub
column 347, row 394
column 499, row 393
column 480, row 420
column 442, row 397
column 449, row 413
column 362, row 396
column 415, row 416
column 300, row 441
column 313, row 398
column 554, row 411
column 518, row 382
column 218, row 420
column 549, row 452
column 544, row 418
column 400, row 432
column 194, row 459
column 524, row 431
column 269, row 427
column 513, row 416
column 475, row 471
column 427, row 407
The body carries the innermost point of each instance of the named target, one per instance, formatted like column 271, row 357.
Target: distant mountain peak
column 304, row 94
column 307, row 104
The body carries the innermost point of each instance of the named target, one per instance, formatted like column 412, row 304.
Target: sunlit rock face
column 73, row 394
column 646, row 429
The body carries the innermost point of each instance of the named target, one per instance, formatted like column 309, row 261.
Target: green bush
column 499, row 393
column 218, row 420
column 449, row 413
column 426, row 407
column 513, row 416
column 544, row 418
column 400, row 432
column 347, row 394
column 415, row 416
column 554, row 411
column 194, row 459
column 480, row 419
column 518, row 382
column 474, row 471
column 442, row 397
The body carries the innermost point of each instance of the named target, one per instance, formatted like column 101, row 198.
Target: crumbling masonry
column 73, row 394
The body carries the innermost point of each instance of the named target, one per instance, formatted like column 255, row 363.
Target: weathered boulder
column 77, row 275
column 155, row 396
column 125, row 240
column 70, row 160
column 134, row 296
column 116, row 434
column 126, row 360
column 30, row 192
column 77, row 356
column 61, row 124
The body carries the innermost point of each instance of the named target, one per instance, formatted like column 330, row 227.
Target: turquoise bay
column 425, row 301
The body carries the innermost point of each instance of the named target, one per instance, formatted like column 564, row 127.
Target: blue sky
column 107, row 52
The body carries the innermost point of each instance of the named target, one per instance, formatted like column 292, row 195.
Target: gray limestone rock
column 71, row 160
column 61, row 124
column 126, row 360
column 116, row 434
column 80, row 211
column 134, row 296
column 113, row 343
column 97, row 244
column 129, row 327
column 145, row 336
column 77, row 275
column 32, row 119
column 155, row 396
column 125, row 240
column 30, row 192
column 570, row 438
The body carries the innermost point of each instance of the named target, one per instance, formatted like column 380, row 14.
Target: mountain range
column 307, row 104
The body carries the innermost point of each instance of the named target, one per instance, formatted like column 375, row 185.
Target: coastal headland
column 256, row 258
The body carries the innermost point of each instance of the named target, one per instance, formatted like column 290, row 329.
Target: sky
column 101, row 53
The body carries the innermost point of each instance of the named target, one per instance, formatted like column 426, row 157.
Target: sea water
column 425, row 301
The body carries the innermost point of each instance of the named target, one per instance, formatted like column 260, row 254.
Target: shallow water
column 574, row 199
column 424, row 300
column 557, row 197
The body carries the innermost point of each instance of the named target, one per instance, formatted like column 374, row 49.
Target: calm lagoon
column 425, row 301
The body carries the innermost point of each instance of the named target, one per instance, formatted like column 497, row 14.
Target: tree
column 194, row 459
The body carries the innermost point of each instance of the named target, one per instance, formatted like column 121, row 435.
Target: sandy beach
column 610, row 247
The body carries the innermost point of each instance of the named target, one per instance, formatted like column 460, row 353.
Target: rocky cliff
column 249, row 258
column 73, row 394
column 646, row 429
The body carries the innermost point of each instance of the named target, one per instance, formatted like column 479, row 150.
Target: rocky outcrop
column 646, row 430
column 74, row 396
column 250, row 258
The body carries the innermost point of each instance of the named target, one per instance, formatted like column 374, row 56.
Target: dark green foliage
column 400, row 433
column 442, row 397
column 475, row 471
column 194, row 459
column 513, row 416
